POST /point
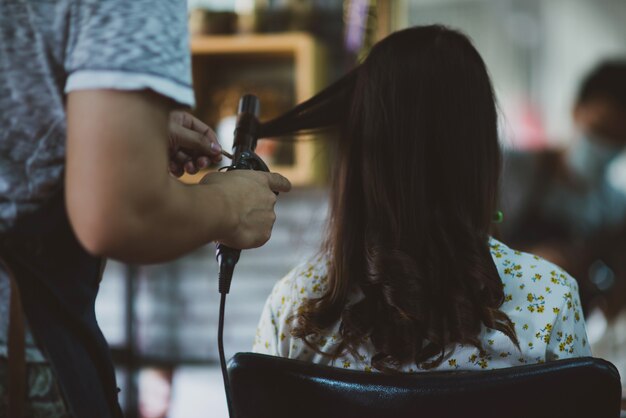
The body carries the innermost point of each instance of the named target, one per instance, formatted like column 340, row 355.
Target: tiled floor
column 177, row 303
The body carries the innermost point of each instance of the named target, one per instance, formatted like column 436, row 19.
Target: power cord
column 220, row 346
column 227, row 259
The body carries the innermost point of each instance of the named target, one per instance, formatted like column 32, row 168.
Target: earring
column 498, row 217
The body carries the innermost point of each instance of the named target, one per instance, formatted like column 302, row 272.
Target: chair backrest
column 265, row 386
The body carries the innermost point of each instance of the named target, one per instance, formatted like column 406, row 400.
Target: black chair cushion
column 267, row 386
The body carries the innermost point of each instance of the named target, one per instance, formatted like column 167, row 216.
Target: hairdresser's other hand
column 250, row 199
column 192, row 144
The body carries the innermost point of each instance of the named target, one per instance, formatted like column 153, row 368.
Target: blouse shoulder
column 305, row 281
column 543, row 302
column 530, row 272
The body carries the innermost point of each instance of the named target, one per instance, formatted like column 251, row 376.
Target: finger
column 208, row 134
column 176, row 169
column 190, row 167
column 278, row 183
column 217, row 158
column 202, row 162
column 194, row 135
column 181, row 158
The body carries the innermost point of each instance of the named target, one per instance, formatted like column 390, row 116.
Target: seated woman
column 409, row 277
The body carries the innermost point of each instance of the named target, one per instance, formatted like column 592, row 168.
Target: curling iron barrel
column 246, row 135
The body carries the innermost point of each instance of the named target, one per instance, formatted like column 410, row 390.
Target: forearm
column 163, row 226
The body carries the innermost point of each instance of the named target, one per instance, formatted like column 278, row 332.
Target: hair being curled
column 412, row 200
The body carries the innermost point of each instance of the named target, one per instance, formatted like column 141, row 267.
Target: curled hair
column 412, row 200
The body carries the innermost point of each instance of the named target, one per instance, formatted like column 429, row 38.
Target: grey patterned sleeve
column 129, row 45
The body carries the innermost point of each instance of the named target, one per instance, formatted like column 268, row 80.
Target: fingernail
column 203, row 162
column 215, row 147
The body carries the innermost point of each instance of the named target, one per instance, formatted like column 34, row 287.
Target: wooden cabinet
column 283, row 70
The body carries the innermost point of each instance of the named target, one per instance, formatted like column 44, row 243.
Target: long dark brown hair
column 412, row 200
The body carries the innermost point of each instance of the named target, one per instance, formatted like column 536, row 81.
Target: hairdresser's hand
column 250, row 199
column 192, row 144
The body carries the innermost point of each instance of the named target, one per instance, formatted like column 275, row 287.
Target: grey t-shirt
column 51, row 47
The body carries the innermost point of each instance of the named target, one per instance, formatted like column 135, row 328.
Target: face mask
column 589, row 158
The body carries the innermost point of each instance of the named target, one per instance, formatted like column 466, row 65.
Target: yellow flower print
column 346, row 364
column 537, row 303
column 544, row 334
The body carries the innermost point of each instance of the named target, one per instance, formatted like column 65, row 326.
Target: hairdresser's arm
column 123, row 203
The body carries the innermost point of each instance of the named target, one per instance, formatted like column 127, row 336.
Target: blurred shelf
column 283, row 43
column 295, row 59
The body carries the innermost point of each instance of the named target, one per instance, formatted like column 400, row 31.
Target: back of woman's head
column 412, row 200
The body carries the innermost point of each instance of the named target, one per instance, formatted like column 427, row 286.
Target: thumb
column 193, row 142
column 278, row 183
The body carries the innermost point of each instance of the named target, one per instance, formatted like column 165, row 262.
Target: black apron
column 58, row 281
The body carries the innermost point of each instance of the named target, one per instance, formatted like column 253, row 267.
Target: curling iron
column 243, row 158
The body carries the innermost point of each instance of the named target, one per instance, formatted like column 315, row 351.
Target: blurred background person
column 561, row 204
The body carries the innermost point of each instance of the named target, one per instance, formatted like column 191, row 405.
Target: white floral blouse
column 540, row 298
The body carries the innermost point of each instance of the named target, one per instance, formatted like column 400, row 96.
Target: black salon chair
column 272, row 387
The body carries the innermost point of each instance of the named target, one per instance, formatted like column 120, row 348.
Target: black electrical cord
column 227, row 259
column 220, row 347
